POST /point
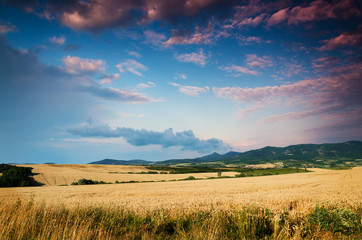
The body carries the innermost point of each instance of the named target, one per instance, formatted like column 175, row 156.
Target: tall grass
column 29, row 220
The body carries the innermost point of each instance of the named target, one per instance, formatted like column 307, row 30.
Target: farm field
column 273, row 192
column 323, row 204
column 65, row 174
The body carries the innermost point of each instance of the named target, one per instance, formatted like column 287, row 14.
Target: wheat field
column 287, row 206
column 273, row 192
column 65, row 174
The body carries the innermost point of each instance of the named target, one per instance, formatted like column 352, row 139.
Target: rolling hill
column 310, row 155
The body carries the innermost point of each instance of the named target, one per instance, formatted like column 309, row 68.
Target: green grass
column 36, row 221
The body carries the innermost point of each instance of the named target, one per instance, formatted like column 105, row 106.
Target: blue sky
column 85, row 80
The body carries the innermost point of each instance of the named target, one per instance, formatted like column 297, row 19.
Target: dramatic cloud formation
column 76, row 65
column 191, row 90
column 316, row 10
column 345, row 39
column 186, row 139
column 197, row 58
column 340, row 92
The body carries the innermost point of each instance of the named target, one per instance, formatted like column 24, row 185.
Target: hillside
column 347, row 154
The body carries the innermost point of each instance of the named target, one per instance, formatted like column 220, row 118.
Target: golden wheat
column 302, row 191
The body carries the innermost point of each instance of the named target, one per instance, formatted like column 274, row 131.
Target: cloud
column 98, row 15
column 134, row 54
column 57, row 40
column 6, row 28
column 337, row 93
column 316, row 10
column 132, row 66
column 197, row 58
column 76, row 65
column 325, row 62
column 239, row 69
column 252, row 60
column 251, row 40
column 345, row 39
column 108, row 78
column 186, row 139
column 278, row 17
column 114, row 94
column 200, row 36
column 191, row 90
column 180, row 76
column 147, row 85
column 154, row 38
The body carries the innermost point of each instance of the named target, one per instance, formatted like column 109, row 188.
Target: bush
column 338, row 220
column 84, row 181
column 13, row 176
column 190, row 178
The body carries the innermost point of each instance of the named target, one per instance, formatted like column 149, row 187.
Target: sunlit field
column 181, row 202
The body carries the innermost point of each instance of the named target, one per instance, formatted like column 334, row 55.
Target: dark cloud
column 186, row 139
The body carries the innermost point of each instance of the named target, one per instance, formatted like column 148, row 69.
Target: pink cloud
column 324, row 62
column 278, row 17
column 197, row 58
column 325, row 96
column 316, row 10
column 108, row 78
column 201, row 35
column 76, row 65
column 6, row 28
column 345, row 39
column 239, row 69
column 253, row 60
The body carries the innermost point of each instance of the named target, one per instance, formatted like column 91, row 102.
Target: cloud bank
column 186, row 139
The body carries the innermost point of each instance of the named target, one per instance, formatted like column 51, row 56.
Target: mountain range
column 301, row 155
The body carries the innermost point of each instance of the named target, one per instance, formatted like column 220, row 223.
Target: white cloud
column 134, row 54
column 191, row 90
column 147, row 85
column 76, row 65
column 197, row 58
column 132, row 66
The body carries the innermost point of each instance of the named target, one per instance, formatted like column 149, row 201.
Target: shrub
column 190, row 178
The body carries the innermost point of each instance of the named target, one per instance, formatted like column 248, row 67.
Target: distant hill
column 122, row 162
column 311, row 155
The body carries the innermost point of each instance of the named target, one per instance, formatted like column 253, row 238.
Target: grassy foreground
column 29, row 220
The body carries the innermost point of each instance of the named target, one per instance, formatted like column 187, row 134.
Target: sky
column 81, row 81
